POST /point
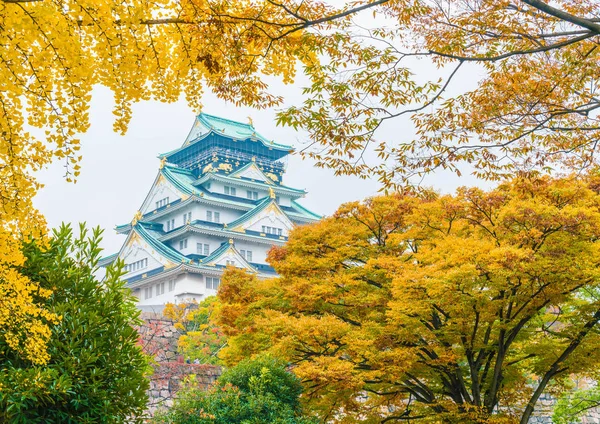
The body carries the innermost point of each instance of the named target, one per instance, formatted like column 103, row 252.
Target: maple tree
column 440, row 308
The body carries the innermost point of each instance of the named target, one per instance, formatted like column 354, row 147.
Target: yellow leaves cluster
column 442, row 307
column 52, row 54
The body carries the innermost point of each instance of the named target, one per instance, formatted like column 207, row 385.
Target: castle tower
column 218, row 200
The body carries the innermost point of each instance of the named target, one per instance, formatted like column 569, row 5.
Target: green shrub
column 96, row 372
column 255, row 391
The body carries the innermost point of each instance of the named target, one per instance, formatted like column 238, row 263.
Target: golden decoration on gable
column 272, row 176
column 137, row 217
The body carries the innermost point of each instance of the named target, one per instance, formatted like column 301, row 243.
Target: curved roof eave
column 264, row 142
column 303, row 209
column 250, row 183
column 163, row 250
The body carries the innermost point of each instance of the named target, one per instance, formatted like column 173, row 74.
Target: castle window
column 183, row 244
column 162, row 202
column 134, row 266
column 212, row 283
column 212, row 216
column 172, row 285
column 272, row 230
column 148, row 292
column 252, row 195
column 170, row 224
column 202, row 249
column 246, row 254
column 187, row 217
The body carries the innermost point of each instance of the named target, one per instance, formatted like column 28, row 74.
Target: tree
column 534, row 108
column 96, row 370
column 255, row 391
column 462, row 308
column 200, row 339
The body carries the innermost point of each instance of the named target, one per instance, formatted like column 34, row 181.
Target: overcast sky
column 117, row 171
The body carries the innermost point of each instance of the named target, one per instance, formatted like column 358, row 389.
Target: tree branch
column 557, row 13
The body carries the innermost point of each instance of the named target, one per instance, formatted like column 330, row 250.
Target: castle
column 218, row 200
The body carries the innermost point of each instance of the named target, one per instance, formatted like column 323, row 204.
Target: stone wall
column 158, row 337
column 167, row 377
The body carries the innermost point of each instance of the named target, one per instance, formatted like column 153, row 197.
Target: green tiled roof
column 108, row 259
column 181, row 178
column 233, row 129
column 252, row 212
column 161, row 248
column 301, row 208
column 215, row 255
column 258, row 183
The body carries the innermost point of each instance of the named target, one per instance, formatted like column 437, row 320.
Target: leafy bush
column 255, row 391
column 200, row 339
column 96, row 369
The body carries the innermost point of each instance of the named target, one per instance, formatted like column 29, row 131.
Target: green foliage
column 96, row 371
column 255, row 391
column 572, row 405
column 200, row 339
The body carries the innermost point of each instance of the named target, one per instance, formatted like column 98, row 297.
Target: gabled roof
column 227, row 248
column 107, row 260
column 163, row 249
column 268, row 202
column 303, row 210
column 181, row 178
column 205, row 124
column 250, row 183
column 251, row 166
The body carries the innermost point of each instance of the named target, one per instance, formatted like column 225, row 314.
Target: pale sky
column 118, row 171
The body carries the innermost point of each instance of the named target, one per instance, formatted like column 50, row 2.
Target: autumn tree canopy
column 462, row 308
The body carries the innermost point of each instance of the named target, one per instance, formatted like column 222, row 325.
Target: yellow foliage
column 449, row 308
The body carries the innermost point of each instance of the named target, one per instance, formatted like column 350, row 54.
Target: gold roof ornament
column 163, row 162
column 137, row 217
column 230, row 241
column 253, row 158
column 272, row 193
column 250, row 122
